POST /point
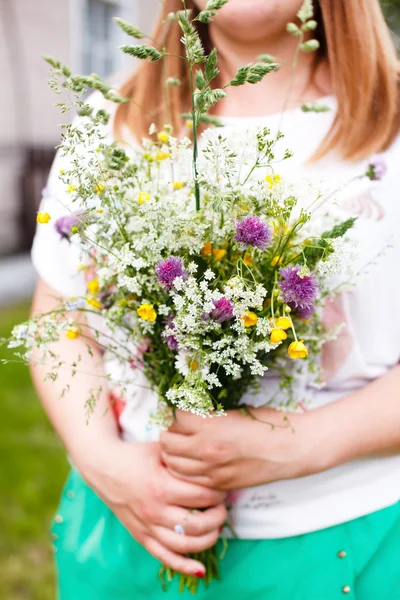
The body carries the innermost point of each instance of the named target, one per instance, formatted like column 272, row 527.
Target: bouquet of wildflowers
column 206, row 266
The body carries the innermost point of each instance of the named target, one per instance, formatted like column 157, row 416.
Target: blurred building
column 80, row 33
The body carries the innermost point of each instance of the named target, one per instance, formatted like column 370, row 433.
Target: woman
column 316, row 505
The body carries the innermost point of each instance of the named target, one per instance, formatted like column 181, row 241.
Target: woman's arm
column 237, row 451
column 130, row 478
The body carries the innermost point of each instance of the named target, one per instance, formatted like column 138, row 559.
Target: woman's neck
column 268, row 96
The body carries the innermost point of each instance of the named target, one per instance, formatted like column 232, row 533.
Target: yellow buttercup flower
column 162, row 155
column 193, row 365
column 178, row 185
column 143, row 197
column 219, row 253
column 71, row 188
column 207, row 249
column 297, row 350
column 277, row 335
column 99, row 187
column 248, row 260
column 93, row 286
column 72, row 333
column 249, row 318
column 163, row 136
column 272, row 180
column 284, row 322
column 277, row 260
column 43, row 218
column 94, row 302
column 147, row 312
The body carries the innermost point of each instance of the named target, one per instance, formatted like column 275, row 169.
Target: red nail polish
column 221, row 528
column 200, row 574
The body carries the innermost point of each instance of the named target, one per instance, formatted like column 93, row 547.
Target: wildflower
column 147, row 156
column 248, row 260
column 276, row 260
column 297, row 350
column 189, row 124
column 193, row 365
column 178, row 185
column 93, row 301
column 306, row 313
column 168, row 270
column 100, row 210
column 99, row 188
column 163, row 136
column 93, row 286
column 298, row 290
column 284, row 322
column 147, row 312
column 169, row 338
column 43, row 218
column 277, row 335
column 64, row 224
column 162, row 155
column 82, row 267
column 251, row 231
column 219, row 253
column 71, row 188
column 98, row 149
column 223, row 310
column 249, row 318
column 272, row 180
column 376, row 168
column 72, row 333
column 207, row 249
column 143, row 197
column 62, row 171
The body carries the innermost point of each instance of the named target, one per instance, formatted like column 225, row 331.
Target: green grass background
column 33, row 467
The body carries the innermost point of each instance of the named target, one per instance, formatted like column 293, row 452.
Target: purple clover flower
column 299, row 292
column 376, row 168
column 304, row 313
column 251, row 231
column 167, row 270
column 223, row 310
column 170, row 339
column 64, row 224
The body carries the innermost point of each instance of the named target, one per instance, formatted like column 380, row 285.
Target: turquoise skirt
column 97, row 559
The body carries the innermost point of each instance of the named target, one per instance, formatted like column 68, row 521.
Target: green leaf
column 143, row 52
column 267, row 58
column 199, row 80
column 241, row 76
column 212, row 7
column 309, row 26
column 52, row 61
column 211, row 69
column 129, row 29
column 293, row 29
column 316, row 107
column 306, row 12
column 309, row 46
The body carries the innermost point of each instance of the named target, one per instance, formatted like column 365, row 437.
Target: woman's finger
column 190, row 495
column 192, row 522
column 184, row 466
column 171, row 559
column 185, row 544
column 179, row 445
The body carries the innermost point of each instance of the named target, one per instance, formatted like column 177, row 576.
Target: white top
column 366, row 348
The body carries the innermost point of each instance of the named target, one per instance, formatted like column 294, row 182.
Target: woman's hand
column 150, row 502
column 237, row 451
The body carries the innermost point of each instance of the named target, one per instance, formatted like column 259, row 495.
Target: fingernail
column 200, row 573
column 221, row 528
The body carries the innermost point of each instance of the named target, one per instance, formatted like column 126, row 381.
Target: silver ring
column 179, row 529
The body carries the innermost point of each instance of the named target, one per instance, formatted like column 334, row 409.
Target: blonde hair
column 355, row 41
